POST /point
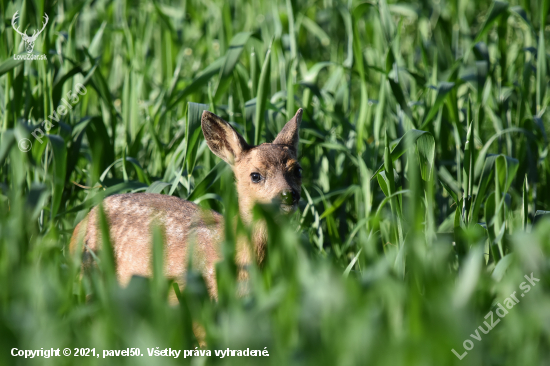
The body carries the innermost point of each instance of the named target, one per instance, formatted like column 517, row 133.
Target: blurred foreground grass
column 426, row 175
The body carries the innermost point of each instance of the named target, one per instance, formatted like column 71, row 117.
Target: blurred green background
column 426, row 176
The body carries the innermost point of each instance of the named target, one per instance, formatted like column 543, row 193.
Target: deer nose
column 289, row 196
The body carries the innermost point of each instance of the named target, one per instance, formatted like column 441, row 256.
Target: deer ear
column 289, row 135
column 221, row 138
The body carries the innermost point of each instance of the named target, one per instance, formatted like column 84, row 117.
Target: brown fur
column 131, row 217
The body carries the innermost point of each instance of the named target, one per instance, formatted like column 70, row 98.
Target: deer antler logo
column 29, row 40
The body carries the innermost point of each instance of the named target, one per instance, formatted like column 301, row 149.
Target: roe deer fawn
column 269, row 172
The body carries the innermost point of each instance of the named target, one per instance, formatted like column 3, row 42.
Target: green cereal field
column 422, row 235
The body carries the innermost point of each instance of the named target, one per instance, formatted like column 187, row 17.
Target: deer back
column 131, row 219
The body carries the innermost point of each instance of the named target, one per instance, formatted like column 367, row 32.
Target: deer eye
column 299, row 172
column 256, row 177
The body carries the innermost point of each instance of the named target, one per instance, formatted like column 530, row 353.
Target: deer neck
column 255, row 247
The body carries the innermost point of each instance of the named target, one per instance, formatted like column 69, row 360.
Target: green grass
column 424, row 149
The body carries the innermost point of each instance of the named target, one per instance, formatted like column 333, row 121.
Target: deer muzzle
column 289, row 197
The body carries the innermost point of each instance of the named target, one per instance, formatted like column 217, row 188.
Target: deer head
column 29, row 40
column 267, row 173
